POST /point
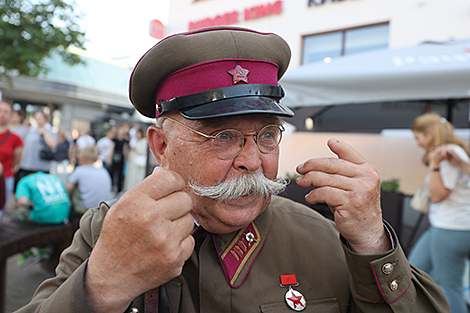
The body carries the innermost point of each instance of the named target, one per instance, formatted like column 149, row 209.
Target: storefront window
column 317, row 47
column 324, row 47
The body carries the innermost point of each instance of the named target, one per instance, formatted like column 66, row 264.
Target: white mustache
column 240, row 186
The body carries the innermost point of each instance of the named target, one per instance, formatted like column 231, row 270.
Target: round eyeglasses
column 228, row 143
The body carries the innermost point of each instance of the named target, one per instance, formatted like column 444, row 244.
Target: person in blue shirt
column 41, row 198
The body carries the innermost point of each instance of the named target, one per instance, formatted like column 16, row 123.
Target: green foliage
column 390, row 185
column 31, row 29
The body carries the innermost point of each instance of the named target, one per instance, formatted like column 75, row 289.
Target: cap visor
column 237, row 106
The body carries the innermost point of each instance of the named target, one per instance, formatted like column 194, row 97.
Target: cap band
column 214, row 74
column 208, row 59
column 219, row 94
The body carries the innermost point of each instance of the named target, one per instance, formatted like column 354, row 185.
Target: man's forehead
column 233, row 121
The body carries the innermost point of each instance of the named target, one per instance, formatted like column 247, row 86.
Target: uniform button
column 388, row 268
column 134, row 310
column 394, row 285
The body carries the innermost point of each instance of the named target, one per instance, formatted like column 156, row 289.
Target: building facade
column 317, row 29
column 76, row 98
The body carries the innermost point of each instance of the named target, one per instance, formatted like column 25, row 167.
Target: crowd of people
column 34, row 158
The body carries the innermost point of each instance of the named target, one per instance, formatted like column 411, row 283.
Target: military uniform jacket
column 239, row 272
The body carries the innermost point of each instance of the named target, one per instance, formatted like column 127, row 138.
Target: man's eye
column 224, row 136
column 267, row 136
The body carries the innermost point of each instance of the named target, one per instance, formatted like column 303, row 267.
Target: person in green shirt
column 41, row 198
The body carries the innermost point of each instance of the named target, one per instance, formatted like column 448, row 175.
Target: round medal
column 295, row 300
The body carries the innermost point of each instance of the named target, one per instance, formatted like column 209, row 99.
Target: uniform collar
column 238, row 251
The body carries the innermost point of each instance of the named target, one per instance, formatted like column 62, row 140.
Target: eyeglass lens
column 228, row 143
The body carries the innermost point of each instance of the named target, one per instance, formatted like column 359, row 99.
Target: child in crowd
column 41, row 198
column 87, row 184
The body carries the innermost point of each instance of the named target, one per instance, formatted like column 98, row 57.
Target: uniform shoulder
column 91, row 223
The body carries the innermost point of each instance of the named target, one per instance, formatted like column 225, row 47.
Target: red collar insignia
column 239, row 74
column 238, row 252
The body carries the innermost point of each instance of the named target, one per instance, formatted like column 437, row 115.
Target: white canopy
column 429, row 71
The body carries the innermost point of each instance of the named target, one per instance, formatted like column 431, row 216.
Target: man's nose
column 249, row 158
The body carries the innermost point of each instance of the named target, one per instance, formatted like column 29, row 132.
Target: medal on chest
column 294, row 299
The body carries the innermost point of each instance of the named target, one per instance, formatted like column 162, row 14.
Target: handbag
column 421, row 200
column 140, row 160
column 46, row 153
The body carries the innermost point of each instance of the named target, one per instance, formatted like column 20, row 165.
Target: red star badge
column 239, row 74
column 296, row 300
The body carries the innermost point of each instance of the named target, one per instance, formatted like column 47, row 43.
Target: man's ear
column 158, row 143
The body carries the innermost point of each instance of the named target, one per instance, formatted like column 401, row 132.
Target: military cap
column 212, row 72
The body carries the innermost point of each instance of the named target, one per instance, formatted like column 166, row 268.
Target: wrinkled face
column 5, row 113
column 423, row 138
column 191, row 155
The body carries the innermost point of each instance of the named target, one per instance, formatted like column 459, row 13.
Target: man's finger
column 161, row 183
column 181, row 227
column 322, row 179
column 328, row 165
column 187, row 247
column 332, row 196
column 345, row 151
column 175, row 205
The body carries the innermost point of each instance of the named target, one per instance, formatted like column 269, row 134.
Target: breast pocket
column 313, row 306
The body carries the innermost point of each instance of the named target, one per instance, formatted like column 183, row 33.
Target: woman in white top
column 137, row 161
column 38, row 136
column 443, row 248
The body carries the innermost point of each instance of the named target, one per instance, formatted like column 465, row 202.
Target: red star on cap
column 296, row 300
column 239, row 74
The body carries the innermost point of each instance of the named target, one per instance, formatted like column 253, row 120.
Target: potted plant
column 392, row 203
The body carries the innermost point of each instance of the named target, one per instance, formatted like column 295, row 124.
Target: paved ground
column 21, row 283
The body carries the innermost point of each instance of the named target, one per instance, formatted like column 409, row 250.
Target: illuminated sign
column 232, row 17
column 157, row 29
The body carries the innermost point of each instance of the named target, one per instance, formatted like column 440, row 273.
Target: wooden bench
column 17, row 237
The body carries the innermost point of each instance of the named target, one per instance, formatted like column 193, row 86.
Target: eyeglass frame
column 213, row 137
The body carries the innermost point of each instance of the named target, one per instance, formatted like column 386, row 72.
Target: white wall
column 392, row 157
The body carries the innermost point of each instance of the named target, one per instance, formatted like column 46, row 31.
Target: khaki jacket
column 236, row 273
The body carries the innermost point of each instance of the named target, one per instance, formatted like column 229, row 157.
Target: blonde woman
column 443, row 248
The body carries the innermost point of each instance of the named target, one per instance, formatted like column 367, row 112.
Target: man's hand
column 144, row 242
column 351, row 188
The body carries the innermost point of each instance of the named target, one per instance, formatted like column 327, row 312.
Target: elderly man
column 205, row 232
